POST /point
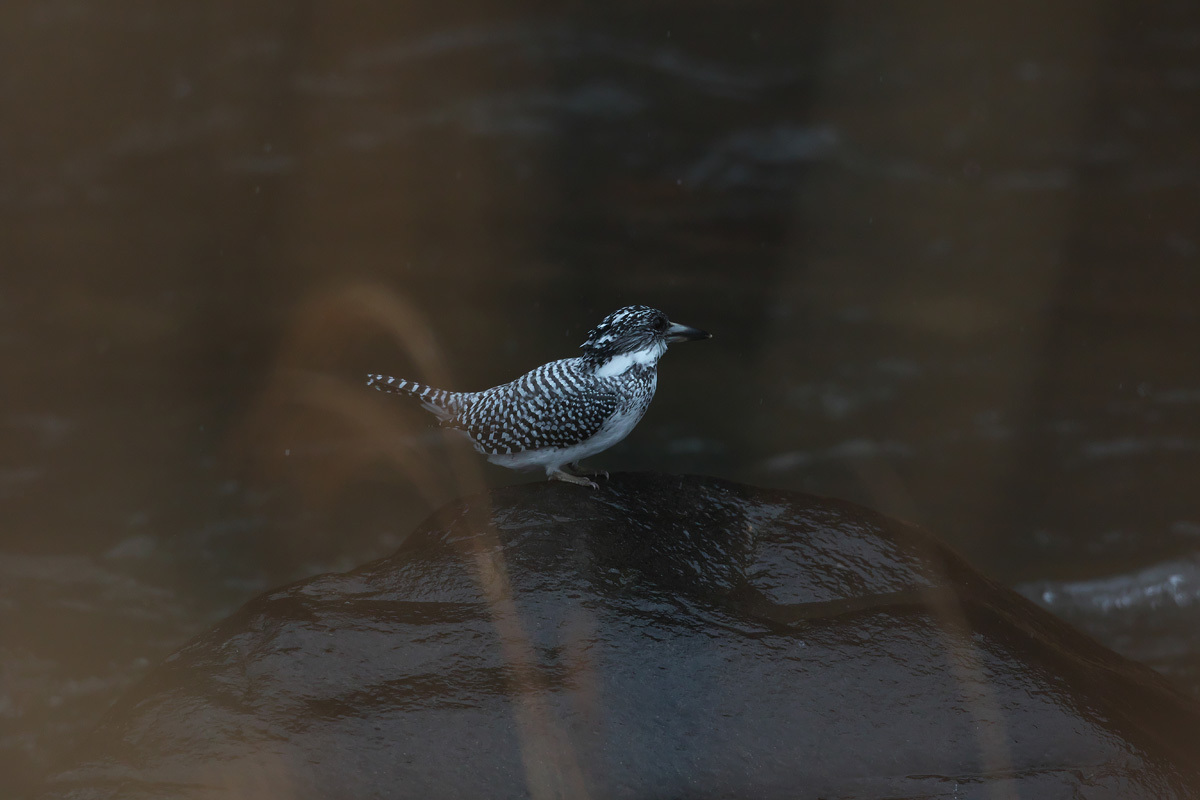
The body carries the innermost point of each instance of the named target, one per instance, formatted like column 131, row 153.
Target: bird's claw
column 559, row 475
column 579, row 469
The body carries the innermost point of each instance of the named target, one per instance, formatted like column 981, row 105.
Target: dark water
column 949, row 256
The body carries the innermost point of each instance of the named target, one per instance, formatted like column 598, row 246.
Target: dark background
column 949, row 256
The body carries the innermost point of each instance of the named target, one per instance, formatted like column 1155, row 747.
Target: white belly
column 553, row 458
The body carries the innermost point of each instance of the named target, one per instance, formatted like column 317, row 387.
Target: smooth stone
column 660, row 637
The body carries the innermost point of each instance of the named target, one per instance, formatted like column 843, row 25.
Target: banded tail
column 441, row 402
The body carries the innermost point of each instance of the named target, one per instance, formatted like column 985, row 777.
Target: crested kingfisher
column 556, row 415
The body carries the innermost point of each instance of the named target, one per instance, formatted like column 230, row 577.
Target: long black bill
column 682, row 333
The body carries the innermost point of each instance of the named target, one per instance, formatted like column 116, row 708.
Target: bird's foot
column 578, row 469
column 559, row 475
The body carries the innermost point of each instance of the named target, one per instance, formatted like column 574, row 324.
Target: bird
column 560, row 413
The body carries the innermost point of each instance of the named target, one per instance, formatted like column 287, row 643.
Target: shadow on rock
column 661, row 636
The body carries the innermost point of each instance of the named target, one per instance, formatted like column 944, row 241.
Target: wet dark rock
column 661, row 637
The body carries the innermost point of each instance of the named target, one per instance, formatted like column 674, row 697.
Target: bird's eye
column 661, row 324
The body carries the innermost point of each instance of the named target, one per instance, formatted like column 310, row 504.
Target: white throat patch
column 620, row 364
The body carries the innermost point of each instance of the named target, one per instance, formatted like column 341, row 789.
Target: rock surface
column 660, row 637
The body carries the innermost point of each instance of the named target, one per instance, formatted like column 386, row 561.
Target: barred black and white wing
column 557, row 405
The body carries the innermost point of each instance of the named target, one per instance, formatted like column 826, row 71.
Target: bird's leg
column 577, row 468
column 559, row 475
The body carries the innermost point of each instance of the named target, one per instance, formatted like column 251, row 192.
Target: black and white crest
column 626, row 330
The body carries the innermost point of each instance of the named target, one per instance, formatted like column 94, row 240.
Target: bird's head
column 636, row 329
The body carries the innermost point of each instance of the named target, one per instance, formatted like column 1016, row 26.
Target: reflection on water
column 1149, row 613
column 950, row 265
